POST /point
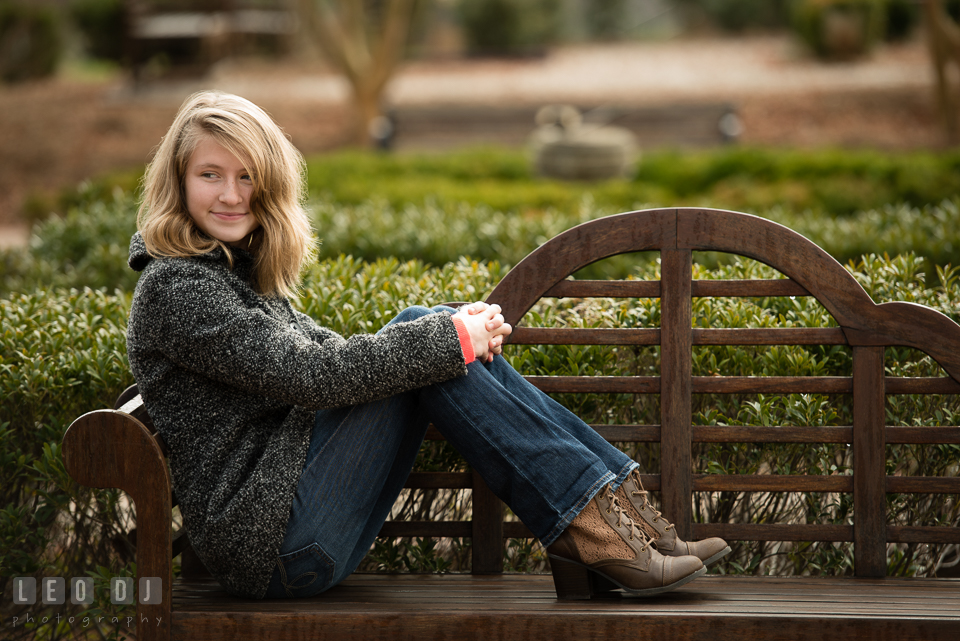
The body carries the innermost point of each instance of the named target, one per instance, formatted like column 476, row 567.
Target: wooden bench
column 655, row 126
column 118, row 448
column 192, row 35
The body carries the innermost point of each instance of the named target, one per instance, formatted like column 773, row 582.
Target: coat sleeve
column 310, row 327
column 201, row 324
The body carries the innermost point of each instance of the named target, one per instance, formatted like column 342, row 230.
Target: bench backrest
column 863, row 325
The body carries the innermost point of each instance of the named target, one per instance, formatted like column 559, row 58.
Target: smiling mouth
column 229, row 215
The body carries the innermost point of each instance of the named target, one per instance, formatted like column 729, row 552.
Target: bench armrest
column 112, row 449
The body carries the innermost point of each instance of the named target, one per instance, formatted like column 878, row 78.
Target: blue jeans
column 538, row 457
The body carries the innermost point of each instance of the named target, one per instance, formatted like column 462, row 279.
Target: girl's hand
column 486, row 327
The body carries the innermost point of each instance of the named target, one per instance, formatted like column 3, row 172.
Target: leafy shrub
column 484, row 203
column 88, row 246
column 827, row 182
column 839, row 29
column 63, row 353
column 830, row 182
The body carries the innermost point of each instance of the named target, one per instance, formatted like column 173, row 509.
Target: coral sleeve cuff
column 465, row 343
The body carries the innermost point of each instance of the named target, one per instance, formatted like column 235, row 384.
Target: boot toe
column 709, row 550
column 677, row 568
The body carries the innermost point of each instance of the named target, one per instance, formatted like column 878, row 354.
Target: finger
column 476, row 308
column 494, row 322
column 492, row 310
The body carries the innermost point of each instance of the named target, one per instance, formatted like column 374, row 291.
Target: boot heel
column 575, row 582
column 571, row 580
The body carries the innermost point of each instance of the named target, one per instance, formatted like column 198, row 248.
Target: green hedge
column 827, row 182
column 830, row 182
column 88, row 246
column 485, row 203
column 62, row 354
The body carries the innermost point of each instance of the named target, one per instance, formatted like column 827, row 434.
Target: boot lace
column 624, row 519
column 657, row 515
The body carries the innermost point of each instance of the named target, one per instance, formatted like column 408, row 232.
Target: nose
column 231, row 194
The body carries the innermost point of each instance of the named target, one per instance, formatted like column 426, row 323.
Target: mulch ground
column 57, row 132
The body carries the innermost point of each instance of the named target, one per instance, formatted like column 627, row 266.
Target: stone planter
column 565, row 148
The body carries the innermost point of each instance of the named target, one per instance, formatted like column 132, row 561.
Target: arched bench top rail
column 863, row 321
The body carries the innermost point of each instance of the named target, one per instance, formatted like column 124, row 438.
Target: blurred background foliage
column 36, row 36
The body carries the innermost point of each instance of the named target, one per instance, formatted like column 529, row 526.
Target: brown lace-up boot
column 634, row 499
column 602, row 550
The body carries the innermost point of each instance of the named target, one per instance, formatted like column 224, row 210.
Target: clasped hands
column 486, row 327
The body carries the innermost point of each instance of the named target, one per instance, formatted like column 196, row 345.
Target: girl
column 288, row 443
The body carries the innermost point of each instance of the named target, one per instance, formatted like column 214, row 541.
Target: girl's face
column 218, row 189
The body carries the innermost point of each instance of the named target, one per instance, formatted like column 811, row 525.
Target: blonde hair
column 283, row 243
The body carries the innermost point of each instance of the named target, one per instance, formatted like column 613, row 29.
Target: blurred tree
column 365, row 40
column 943, row 37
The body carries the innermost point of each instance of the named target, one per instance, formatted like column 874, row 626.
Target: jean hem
column 622, row 476
column 572, row 513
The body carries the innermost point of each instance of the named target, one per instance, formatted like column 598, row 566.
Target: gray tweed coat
column 232, row 380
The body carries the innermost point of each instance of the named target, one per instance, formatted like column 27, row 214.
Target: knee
column 444, row 308
column 412, row 313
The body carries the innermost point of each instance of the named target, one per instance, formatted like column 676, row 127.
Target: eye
column 208, row 174
column 246, row 178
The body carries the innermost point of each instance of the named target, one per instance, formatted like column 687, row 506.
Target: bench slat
column 922, row 485
column 610, row 336
column 869, row 460
column 439, row 480
column 781, row 434
column 897, row 434
column 426, row 528
column 740, row 384
column 700, row 384
column 927, row 434
column 923, row 534
column 771, row 483
column 699, row 288
column 776, row 531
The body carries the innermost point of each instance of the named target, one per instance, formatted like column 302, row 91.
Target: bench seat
column 464, row 606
